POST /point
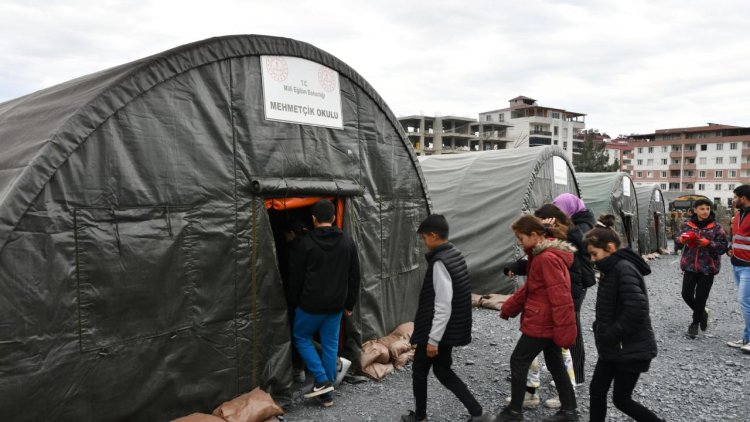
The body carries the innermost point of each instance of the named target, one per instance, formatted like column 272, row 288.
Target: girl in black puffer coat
column 622, row 329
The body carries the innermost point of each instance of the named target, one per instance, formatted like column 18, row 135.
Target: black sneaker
column 693, row 330
column 509, row 415
column 562, row 416
column 319, row 389
column 704, row 319
column 485, row 417
column 326, row 400
column 411, row 417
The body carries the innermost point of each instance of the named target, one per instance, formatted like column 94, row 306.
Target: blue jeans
column 742, row 280
column 306, row 325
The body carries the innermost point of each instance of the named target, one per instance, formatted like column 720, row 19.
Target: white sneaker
column 737, row 344
column 745, row 348
column 553, row 403
column 530, row 401
column 342, row 368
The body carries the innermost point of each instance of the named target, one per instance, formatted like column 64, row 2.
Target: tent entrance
column 627, row 226
column 657, row 227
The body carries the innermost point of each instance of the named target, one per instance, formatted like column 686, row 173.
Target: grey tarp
column 482, row 193
column 613, row 193
column 137, row 264
column 652, row 219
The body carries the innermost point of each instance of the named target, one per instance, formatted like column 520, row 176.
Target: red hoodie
column 545, row 301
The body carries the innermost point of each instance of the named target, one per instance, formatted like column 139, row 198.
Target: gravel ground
column 690, row 380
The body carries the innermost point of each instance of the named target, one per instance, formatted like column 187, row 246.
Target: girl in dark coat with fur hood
column 622, row 329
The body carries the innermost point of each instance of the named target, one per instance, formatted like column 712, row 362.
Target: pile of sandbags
column 491, row 301
column 380, row 357
column 255, row 406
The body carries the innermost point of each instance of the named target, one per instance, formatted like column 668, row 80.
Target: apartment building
column 530, row 124
column 621, row 151
column 453, row 134
column 708, row 160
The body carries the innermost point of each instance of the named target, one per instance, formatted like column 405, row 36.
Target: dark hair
column 324, row 211
column 742, row 190
column 603, row 233
column 528, row 224
column 703, row 201
column 552, row 211
column 435, row 223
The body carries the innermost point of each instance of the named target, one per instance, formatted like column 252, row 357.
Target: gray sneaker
column 736, row 343
column 693, row 330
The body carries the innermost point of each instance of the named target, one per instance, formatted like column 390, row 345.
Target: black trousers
column 441, row 366
column 695, row 290
column 526, row 350
column 624, row 383
column 578, row 352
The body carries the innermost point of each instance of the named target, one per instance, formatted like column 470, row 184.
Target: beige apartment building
column 708, row 160
column 521, row 125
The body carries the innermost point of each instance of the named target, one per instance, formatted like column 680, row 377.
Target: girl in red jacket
column 548, row 321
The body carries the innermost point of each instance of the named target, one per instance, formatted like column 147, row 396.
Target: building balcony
column 675, row 154
column 745, row 166
column 541, row 132
column 447, row 133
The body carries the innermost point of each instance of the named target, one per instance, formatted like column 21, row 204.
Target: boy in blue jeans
column 324, row 279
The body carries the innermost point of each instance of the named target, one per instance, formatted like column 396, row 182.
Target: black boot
column 563, row 416
column 509, row 415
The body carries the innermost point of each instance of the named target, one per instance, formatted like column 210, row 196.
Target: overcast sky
column 631, row 66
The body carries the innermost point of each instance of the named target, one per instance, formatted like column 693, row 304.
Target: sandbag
column 404, row 330
column 388, row 340
column 403, row 359
column 476, row 300
column 199, row 417
column 494, row 301
column 397, row 348
column 378, row 371
column 255, row 406
column 373, row 352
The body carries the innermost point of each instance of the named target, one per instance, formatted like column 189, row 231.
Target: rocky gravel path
column 690, row 380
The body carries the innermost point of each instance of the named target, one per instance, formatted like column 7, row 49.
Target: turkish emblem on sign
column 327, row 78
column 277, row 68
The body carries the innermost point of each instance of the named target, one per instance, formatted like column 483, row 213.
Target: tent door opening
column 627, row 224
column 657, row 227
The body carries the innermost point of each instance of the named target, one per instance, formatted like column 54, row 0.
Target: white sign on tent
column 626, row 186
column 560, row 168
column 301, row 91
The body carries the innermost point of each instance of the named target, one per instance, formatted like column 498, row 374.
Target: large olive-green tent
column 482, row 193
column 652, row 218
column 613, row 193
column 138, row 268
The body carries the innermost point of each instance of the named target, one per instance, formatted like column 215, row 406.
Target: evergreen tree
column 593, row 157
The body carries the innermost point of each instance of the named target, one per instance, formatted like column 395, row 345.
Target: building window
column 719, row 147
column 650, row 150
column 664, row 175
column 702, row 174
column 501, row 117
column 674, row 173
column 689, row 186
column 639, row 162
column 702, row 160
column 675, row 161
column 649, row 174
column 664, row 148
column 689, row 147
column 650, row 162
column 733, row 145
column 732, row 173
column 732, row 160
column 555, row 115
column 704, row 147
column 688, row 173
column 730, row 202
column 565, row 133
column 675, row 148
column 640, row 150
column 565, row 145
column 639, row 174
column 719, row 160
column 555, row 141
column 556, row 130
column 719, row 173
column 488, row 118
column 730, row 186
column 663, row 186
column 701, row 186
column 664, row 161
column 717, row 186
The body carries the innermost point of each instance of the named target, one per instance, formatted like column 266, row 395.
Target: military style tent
column 652, row 219
column 482, row 193
column 613, row 193
column 138, row 266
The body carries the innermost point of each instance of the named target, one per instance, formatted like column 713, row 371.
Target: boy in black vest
column 443, row 320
